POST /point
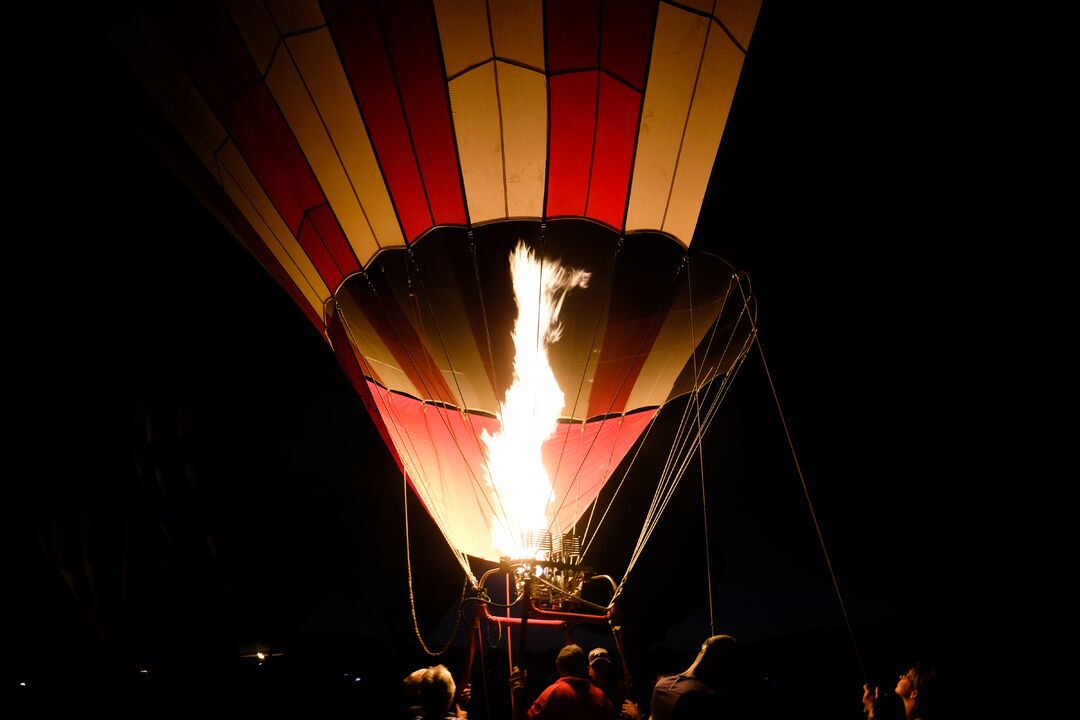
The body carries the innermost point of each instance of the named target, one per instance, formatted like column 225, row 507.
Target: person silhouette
column 431, row 694
column 604, row 676
column 915, row 688
column 709, row 688
column 572, row 697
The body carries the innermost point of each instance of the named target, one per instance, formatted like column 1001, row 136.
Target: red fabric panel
column 316, row 250
column 621, row 359
column 616, row 131
column 343, row 349
column 434, row 437
column 359, row 40
column 221, row 67
column 573, row 34
column 627, row 40
column 588, row 457
column 333, row 237
column 570, row 149
column 410, row 31
column 641, row 295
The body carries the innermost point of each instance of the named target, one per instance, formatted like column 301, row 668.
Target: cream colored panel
column 325, row 79
column 673, row 348
column 454, row 350
column 256, row 26
column 523, row 98
column 296, row 15
column 518, row 29
column 246, row 192
column 680, row 37
column 136, row 39
column 463, row 31
column 577, row 385
column 307, row 126
column 739, row 17
column 367, row 341
column 712, row 101
column 475, row 107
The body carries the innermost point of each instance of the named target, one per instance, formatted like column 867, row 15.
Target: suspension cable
column 701, row 457
column 681, row 453
column 810, row 505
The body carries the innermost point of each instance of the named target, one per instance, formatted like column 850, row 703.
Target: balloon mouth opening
column 604, row 329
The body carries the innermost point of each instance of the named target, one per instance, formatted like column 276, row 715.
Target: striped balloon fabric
column 383, row 159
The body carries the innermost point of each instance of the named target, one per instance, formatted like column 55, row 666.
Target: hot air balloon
column 488, row 209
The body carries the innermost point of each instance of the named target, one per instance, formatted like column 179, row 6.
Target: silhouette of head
column 571, row 661
column 717, row 662
column 600, row 666
column 916, row 689
column 437, row 690
column 412, row 686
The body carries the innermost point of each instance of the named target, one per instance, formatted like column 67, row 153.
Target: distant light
column 22, row 684
column 143, row 670
column 260, row 655
column 357, row 679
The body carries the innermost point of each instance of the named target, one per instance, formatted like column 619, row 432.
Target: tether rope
column 412, row 597
column 810, row 505
column 701, row 458
column 681, row 453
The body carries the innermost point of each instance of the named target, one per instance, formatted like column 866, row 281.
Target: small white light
column 22, row 684
column 357, row 679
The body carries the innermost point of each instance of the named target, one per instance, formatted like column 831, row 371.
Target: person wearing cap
column 603, row 675
column 571, row 697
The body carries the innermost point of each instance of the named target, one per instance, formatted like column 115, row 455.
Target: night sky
column 191, row 477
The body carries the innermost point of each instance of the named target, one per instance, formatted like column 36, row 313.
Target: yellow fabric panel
column 257, row 28
column 295, row 15
column 136, row 39
column 712, row 101
column 739, row 17
column 475, row 107
column 680, row 37
column 523, row 98
column 296, row 105
column 672, row 350
column 246, row 192
column 325, row 80
column 463, row 32
column 518, row 29
column 453, row 347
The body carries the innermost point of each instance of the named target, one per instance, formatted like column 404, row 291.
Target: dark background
column 191, row 479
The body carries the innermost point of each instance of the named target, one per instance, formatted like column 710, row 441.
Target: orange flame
column 533, row 402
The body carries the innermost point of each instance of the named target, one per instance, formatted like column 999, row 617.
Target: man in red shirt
column 571, row 697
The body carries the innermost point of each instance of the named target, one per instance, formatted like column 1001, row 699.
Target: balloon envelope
column 384, row 159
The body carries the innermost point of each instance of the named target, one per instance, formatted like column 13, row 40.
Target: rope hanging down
column 412, row 597
column 813, row 514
